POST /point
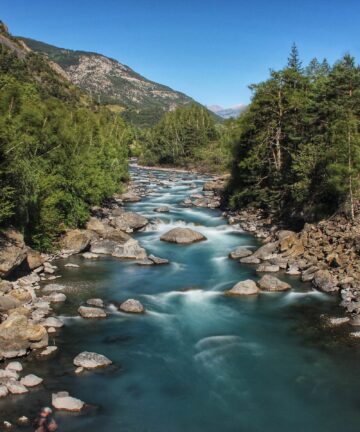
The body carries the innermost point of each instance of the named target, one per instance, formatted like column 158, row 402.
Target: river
column 197, row 360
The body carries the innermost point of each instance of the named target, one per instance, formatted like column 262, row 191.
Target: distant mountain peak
column 231, row 112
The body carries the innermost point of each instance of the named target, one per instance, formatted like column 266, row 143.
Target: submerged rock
column 132, row 306
column 182, row 236
column 271, row 283
column 246, row 287
column 162, row 209
column 91, row 360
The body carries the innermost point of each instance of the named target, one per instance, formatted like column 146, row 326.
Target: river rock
column 129, row 197
column 15, row 387
column 14, row 366
column 3, row 390
column 162, row 209
column 56, row 297
column 91, row 312
column 129, row 221
column 240, row 252
column 250, row 260
column 130, row 250
column 8, row 302
column 145, row 262
column 48, row 351
column 34, row 259
column 18, row 334
column 269, row 268
column 90, row 255
column 324, row 281
column 71, row 265
column 158, row 261
column 97, row 302
column 271, row 283
column 103, row 247
column 182, row 236
column 266, row 251
column 5, row 286
column 53, row 322
column 76, row 241
column 53, row 287
column 91, row 360
column 132, row 306
column 12, row 251
column 63, row 402
column 246, row 287
column 31, row 380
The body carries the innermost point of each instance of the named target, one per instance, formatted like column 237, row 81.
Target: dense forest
column 60, row 153
column 188, row 137
column 298, row 149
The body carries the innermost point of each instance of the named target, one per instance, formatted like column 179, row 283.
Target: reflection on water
column 197, row 360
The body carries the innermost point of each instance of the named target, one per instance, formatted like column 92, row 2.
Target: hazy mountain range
column 227, row 113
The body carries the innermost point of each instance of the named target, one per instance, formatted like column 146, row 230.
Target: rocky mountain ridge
column 113, row 83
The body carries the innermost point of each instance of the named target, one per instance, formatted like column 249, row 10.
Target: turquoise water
column 197, row 361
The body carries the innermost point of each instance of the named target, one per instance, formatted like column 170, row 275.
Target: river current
column 197, row 360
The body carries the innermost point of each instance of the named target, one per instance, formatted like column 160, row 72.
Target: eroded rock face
column 182, row 236
column 272, row 283
column 12, row 251
column 91, row 360
column 76, row 241
column 132, row 306
column 244, row 288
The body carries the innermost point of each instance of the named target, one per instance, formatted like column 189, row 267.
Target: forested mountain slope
column 110, row 82
column 59, row 152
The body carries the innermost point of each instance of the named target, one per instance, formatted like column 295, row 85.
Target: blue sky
column 209, row 49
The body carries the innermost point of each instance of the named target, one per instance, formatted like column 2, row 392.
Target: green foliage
column 186, row 137
column 58, row 154
column 298, row 149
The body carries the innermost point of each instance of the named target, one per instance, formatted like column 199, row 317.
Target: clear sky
column 209, row 49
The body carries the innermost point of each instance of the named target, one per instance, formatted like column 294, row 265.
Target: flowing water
column 197, row 361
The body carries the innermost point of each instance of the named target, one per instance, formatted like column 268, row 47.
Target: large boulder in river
column 91, row 360
column 76, row 241
column 103, row 247
column 266, row 252
column 132, row 306
column 246, row 287
column 12, row 251
column 18, row 334
column 129, row 221
column 272, row 283
column 130, row 250
column 105, row 231
column 182, row 236
column 323, row 281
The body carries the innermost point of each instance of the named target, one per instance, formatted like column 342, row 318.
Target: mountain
column 110, row 82
column 227, row 113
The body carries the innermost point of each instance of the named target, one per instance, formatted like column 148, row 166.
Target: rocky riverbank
column 327, row 254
